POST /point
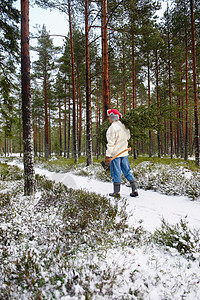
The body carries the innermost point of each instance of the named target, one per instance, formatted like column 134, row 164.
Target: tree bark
column 97, row 117
column 124, row 85
column 80, row 114
column 75, row 153
column 170, row 97
column 158, row 105
column 186, row 96
column 196, row 102
column 46, row 134
column 60, row 129
column 105, row 60
column 65, row 125
column 88, row 92
column 29, row 170
column 149, row 102
column 49, row 137
column 133, row 73
column 69, row 124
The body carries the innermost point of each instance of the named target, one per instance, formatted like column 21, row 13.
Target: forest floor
column 68, row 242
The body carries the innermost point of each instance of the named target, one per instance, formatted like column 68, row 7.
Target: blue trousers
column 119, row 165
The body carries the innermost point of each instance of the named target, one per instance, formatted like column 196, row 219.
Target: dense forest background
column 115, row 55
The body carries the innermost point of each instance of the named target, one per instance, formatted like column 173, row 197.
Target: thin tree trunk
column 109, row 91
column 49, row 129
column 158, row 105
column 69, row 124
column 196, row 102
column 88, row 92
column 170, row 97
column 65, row 125
column 149, row 102
column 46, row 140
column 39, row 129
column 178, row 130
column 11, row 147
column 186, row 96
column 105, row 60
column 60, row 129
column 133, row 73
column 124, row 85
column 80, row 113
column 75, row 153
column 97, row 117
column 20, row 131
column 35, row 136
column 182, row 124
column 29, row 170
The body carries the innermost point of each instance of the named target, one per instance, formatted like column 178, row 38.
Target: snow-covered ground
column 150, row 206
column 145, row 272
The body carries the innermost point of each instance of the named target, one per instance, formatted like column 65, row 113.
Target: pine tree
column 43, row 68
column 29, row 172
column 9, row 57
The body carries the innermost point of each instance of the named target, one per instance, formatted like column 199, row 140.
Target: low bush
column 167, row 179
column 8, row 173
column 180, row 237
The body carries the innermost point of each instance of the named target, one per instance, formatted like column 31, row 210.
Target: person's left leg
column 126, row 169
column 115, row 172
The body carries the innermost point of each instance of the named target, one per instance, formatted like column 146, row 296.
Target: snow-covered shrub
column 44, row 183
column 168, row 179
column 65, row 244
column 4, row 199
column 10, row 172
column 179, row 236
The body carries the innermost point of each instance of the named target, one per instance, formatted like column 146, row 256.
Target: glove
column 107, row 160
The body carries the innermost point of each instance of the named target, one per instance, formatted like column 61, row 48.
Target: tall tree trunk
column 20, row 131
column 80, row 113
column 149, row 102
column 158, row 105
column 60, row 129
column 109, row 66
column 35, row 135
column 69, row 124
column 75, row 153
column 80, row 128
column 29, row 170
column 124, row 85
column 105, row 60
column 46, row 134
column 133, row 72
column 196, row 102
column 88, row 92
column 49, row 129
column 65, row 125
column 178, row 129
column 39, row 129
column 186, row 95
column 181, row 123
column 170, row 96
column 97, row 117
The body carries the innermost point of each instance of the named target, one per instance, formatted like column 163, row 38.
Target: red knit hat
column 113, row 112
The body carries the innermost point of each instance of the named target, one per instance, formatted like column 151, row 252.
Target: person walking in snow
column 117, row 137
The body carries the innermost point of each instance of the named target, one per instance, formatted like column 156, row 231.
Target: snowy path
column 150, row 206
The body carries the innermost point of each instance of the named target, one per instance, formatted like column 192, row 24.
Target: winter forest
column 116, row 54
column 61, row 235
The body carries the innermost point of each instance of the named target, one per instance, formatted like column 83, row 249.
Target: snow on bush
column 167, row 179
column 66, row 244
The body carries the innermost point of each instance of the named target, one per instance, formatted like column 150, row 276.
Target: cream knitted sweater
column 117, row 137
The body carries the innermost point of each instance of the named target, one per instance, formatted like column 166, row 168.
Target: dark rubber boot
column 134, row 189
column 116, row 193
